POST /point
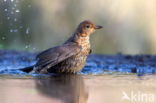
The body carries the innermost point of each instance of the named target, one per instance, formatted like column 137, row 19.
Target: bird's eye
column 87, row 26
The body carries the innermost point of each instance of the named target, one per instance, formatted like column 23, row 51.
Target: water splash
column 5, row 9
column 13, row 30
column 27, row 30
column 27, row 46
column 17, row 10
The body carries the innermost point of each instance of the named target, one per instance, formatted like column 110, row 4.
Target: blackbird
column 70, row 57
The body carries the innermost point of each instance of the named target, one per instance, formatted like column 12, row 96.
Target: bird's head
column 86, row 28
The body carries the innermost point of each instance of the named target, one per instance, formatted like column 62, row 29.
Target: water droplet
column 17, row 11
column 5, row 9
column 27, row 30
column 12, row 0
column 5, row 0
column 27, row 46
column 11, row 30
column 15, row 19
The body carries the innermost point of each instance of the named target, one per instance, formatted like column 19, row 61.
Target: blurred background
column 35, row 25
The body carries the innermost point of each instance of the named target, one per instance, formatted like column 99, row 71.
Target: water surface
column 78, row 89
column 104, row 79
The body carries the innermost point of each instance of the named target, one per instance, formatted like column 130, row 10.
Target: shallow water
column 104, row 79
column 78, row 89
column 11, row 61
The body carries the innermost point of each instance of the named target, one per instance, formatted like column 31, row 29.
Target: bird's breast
column 76, row 62
column 85, row 44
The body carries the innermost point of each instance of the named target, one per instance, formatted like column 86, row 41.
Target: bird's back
column 71, row 64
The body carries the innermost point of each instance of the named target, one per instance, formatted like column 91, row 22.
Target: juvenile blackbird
column 69, row 57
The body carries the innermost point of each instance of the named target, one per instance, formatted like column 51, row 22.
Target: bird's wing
column 57, row 54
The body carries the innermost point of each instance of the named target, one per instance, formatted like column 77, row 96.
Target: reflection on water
column 73, row 89
column 67, row 88
column 55, row 89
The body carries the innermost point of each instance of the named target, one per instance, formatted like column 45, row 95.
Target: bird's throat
column 83, row 41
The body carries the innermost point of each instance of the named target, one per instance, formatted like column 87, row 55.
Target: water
column 11, row 61
column 78, row 89
column 102, row 78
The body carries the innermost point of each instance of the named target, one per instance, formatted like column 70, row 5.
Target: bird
column 68, row 58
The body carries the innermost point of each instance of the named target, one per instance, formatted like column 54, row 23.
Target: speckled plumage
column 70, row 57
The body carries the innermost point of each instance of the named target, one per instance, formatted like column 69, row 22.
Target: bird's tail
column 27, row 69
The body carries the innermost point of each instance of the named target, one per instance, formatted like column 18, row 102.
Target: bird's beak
column 98, row 27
